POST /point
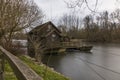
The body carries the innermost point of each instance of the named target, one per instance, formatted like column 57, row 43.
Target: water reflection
column 102, row 64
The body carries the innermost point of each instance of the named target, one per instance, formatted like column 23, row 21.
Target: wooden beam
column 21, row 70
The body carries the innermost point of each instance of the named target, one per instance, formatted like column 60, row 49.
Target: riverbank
column 48, row 74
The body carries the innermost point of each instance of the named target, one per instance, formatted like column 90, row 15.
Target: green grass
column 9, row 74
column 41, row 70
column 48, row 74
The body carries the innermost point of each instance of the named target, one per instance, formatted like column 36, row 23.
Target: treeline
column 102, row 27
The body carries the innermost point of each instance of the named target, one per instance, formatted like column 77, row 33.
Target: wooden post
column 2, row 66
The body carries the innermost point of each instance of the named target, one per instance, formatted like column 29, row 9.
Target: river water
column 103, row 63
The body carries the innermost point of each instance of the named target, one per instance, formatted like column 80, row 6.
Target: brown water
column 102, row 64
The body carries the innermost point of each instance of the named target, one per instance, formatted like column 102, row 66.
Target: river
column 103, row 63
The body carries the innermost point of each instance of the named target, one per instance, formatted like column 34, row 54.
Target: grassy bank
column 48, row 74
column 9, row 74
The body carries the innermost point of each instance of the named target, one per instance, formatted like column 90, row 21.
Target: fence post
column 2, row 66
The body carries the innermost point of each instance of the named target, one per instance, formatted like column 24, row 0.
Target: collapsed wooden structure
column 51, row 39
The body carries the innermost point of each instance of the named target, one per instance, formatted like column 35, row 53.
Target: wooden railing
column 21, row 70
column 71, row 44
column 65, row 44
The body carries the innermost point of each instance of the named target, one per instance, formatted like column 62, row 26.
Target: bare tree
column 16, row 15
column 81, row 3
column 34, row 45
column 105, row 28
column 70, row 24
column 115, row 18
column 116, row 15
column 89, row 27
column 85, row 3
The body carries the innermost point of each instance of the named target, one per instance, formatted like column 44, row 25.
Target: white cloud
column 55, row 8
column 52, row 8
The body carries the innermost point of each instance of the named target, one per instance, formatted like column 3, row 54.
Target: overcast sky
column 53, row 9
